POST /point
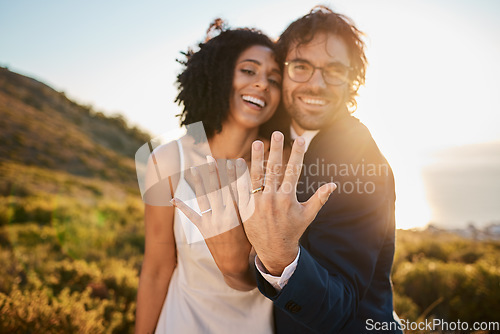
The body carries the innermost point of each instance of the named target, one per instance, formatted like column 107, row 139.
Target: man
column 332, row 276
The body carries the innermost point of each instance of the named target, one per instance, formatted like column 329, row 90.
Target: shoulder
column 167, row 158
column 348, row 129
column 348, row 140
column 162, row 173
column 350, row 155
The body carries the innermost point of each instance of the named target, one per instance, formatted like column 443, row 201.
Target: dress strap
column 181, row 157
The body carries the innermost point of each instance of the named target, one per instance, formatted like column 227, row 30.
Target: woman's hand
column 219, row 219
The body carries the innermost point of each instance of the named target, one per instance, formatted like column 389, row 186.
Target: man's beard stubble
column 309, row 121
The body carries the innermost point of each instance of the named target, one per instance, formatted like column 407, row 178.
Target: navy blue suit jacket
column 342, row 279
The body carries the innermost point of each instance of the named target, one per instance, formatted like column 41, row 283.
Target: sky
column 432, row 81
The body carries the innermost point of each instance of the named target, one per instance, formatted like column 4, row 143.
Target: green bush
column 85, row 257
column 463, row 284
column 406, row 308
column 427, row 281
column 30, row 235
column 37, row 311
column 28, row 209
column 70, row 264
column 11, row 271
column 75, row 275
column 6, row 212
column 479, row 296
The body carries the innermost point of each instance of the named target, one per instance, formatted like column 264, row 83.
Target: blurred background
column 430, row 98
column 84, row 84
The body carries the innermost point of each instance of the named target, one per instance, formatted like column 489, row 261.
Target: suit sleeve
column 340, row 250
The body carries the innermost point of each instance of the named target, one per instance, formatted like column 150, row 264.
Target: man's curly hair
column 206, row 82
column 323, row 19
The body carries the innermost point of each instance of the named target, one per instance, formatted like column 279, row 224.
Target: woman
column 232, row 84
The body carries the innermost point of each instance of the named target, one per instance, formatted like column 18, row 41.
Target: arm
column 337, row 262
column 220, row 226
column 238, row 274
column 278, row 220
column 339, row 252
column 159, row 263
column 160, row 258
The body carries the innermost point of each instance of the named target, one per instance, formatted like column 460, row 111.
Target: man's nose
column 317, row 79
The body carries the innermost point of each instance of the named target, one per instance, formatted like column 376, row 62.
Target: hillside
column 42, row 127
column 71, row 216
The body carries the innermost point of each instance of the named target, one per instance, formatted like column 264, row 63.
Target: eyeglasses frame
column 321, row 68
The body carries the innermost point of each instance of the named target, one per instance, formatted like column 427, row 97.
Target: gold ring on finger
column 256, row 190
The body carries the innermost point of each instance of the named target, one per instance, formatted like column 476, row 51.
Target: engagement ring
column 256, row 190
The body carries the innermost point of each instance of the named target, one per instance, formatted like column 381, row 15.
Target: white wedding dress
column 198, row 299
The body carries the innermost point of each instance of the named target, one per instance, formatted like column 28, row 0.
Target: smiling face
column 256, row 87
column 315, row 103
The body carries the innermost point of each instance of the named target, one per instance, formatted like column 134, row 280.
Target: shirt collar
column 308, row 135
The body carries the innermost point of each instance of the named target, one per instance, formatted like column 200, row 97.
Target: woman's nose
column 261, row 82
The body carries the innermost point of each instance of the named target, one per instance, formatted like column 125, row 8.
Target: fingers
column 231, row 208
column 316, row 202
column 231, row 180
column 214, row 193
column 232, row 199
column 243, row 182
column 294, row 166
column 246, row 205
column 186, row 210
column 199, row 190
column 257, row 164
column 274, row 166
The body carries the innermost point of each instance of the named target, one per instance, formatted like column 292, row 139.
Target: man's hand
column 279, row 220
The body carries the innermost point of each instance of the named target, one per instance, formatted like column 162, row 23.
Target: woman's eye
column 275, row 82
column 248, row 71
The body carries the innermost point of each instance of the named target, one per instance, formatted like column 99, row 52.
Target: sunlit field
column 71, row 259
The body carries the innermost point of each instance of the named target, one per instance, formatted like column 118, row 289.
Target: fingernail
column 257, row 145
column 193, row 170
column 210, row 159
column 240, row 162
column 229, row 164
column 300, row 141
column 325, row 198
column 278, row 136
column 333, row 186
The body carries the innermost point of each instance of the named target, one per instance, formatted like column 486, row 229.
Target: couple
column 322, row 265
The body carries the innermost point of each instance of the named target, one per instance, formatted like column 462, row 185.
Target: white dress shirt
column 278, row 282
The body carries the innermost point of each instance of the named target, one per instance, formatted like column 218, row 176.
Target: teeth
column 254, row 100
column 318, row 102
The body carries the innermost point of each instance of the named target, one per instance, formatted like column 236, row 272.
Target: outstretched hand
column 265, row 201
column 279, row 220
column 219, row 221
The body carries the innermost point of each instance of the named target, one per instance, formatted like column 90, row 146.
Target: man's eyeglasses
column 335, row 74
